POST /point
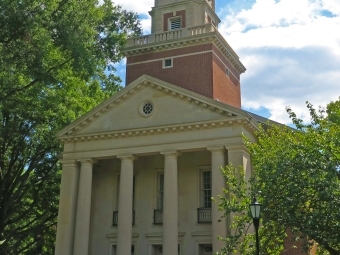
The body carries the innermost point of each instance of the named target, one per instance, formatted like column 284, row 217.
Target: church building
column 139, row 170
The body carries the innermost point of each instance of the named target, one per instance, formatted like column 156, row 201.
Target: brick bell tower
column 186, row 49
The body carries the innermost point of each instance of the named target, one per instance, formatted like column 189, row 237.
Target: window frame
column 205, row 200
column 227, row 71
column 175, row 23
column 168, row 66
column 160, row 190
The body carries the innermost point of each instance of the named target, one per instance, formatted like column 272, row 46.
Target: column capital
column 216, row 148
column 171, row 153
column 68, row 162
column 87, row 161
column 127, row 157
column 237, row 148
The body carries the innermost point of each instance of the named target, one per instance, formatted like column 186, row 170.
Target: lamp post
column 255, row 208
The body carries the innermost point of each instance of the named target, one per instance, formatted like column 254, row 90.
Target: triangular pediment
column 171, row 106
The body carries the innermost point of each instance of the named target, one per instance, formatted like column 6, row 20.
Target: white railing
column 170, row 35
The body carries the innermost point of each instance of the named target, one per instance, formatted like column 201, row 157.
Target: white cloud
column 286, row 23
column 291, row 50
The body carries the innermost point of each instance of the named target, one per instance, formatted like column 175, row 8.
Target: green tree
column 56, row 62
column 297, row 172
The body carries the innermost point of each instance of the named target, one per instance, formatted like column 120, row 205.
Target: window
column 133, row 193
column 158, row 213
column 157, row 249
column 146, row 109
column 206, row 189
column 160, row 190
column 205, row 249
column 167, row 63
column 227, row 71
column 114, row 250
column 175, row 23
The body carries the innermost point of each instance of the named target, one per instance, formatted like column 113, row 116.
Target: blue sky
column 291, row 49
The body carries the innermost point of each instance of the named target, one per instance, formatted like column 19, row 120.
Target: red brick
column 203, row 72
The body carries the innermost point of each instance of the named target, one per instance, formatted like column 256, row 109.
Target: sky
column 291, row 49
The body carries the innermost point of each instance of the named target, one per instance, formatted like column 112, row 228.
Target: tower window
column 227, row 72
column 167, row 63
column 175, row 23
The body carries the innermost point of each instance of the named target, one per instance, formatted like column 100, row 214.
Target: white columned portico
column 125, row 207
column 170, row 205
column 219, row 225
column 82, row 228
column 67, row 207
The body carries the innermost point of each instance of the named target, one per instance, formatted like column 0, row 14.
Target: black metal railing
column 204, row 215
column 158, row 216
column 115, row 218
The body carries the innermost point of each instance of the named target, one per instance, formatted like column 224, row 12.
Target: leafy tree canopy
column 56, row 63
column 297, row 172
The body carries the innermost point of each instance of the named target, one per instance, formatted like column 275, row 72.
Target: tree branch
column 15, row 91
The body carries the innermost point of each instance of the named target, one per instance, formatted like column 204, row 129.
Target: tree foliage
column 56, row 63
column 297, row 174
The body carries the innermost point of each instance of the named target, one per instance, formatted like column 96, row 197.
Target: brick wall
column 226, row 88
column 196, row 68
column 191, row 72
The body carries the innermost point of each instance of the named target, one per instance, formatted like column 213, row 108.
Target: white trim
column 143, row 81
column 177, row 56
column 116, row 197
column 158, row 197
column 156, row 238
column 227, row 71
column 199, row 169
column 141, row 109
column 202, row 199
column 201, row 237
column 213, row 37
column 164, row 61
column 113, row 242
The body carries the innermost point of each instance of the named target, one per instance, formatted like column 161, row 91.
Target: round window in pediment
column 146, row 109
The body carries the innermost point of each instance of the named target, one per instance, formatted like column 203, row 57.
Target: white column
column 219, row 225
column 82, row 230
column 124, row 237
column 170, row 204
column 239, row 156
column 67, row 208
